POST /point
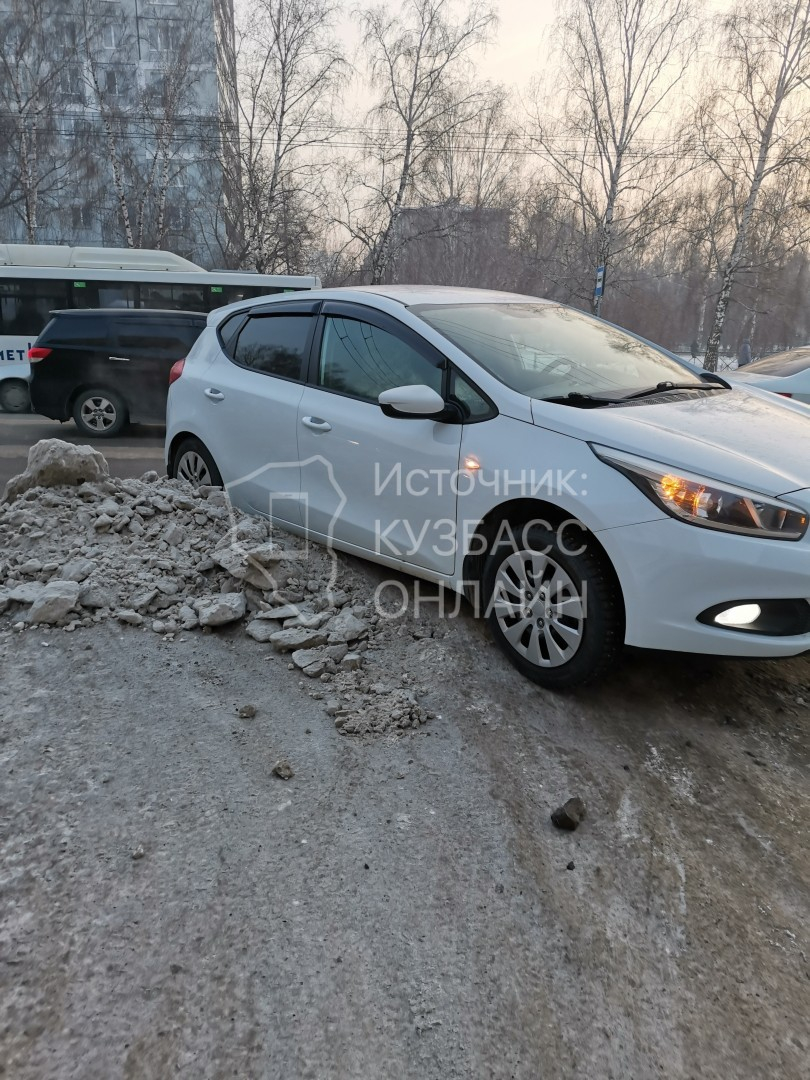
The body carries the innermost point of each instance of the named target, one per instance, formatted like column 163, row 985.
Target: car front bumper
column 671, row 572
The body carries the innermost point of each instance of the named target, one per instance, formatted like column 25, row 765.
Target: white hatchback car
column 582, row 487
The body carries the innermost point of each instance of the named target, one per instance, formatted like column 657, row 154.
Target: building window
column 83, row 217
column 158, row 83
column 178, row 218
column 164, row 35
column 71, row 86
column 110, row 36
column 110, row 82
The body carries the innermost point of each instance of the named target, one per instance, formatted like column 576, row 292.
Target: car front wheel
column 554, row 606
column 100, row 414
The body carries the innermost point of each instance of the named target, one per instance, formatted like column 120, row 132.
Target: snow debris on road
column 78, row 547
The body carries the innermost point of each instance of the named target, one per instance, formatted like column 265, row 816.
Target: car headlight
column 708, row 503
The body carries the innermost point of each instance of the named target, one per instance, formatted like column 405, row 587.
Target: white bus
column 36, row 279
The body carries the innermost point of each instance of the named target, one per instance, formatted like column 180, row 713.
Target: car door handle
column 213, row 394
column 123, row 359
column 314, row 423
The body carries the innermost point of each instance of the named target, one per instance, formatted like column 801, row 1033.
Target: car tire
column 193, row 463
column 554, row 605
column 99, row 414
column 15, row 396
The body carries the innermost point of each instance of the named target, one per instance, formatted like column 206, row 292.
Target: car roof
column 129, row 313
column 410, row 295
column 406, row 295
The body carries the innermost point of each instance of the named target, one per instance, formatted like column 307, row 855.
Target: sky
column 519, row 44
column 520, row 47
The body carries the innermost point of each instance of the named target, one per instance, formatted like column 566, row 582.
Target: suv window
column 274, row 344
column 76, row 331
column 362, row 360
column 162, row 335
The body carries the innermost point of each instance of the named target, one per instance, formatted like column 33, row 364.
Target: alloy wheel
column 98, row 413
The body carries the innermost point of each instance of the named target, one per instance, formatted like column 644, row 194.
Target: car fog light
column 742, row 615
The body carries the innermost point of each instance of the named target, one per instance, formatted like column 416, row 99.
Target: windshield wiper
column 582, row 401
column 665, row 387
column 593, row 401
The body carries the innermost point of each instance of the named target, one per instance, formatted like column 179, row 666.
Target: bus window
column 26, row 305
column 191, row 298
column 175, row 297
column 229, row 294
column 115, row 295
column 95, row 294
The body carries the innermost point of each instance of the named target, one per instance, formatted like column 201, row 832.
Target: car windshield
column 784, row 363
column 551, row 351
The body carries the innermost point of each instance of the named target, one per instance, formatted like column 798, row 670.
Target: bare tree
column 417, row 64
column 472, row 160
column 288, row 71
column 150, row 132
column 38, row 70
column 753, row 123
column 619, row 62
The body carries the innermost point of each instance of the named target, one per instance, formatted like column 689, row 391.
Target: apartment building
column 120, row 123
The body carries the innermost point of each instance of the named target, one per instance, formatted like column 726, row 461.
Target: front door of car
column 251, row 393
column 382, row 484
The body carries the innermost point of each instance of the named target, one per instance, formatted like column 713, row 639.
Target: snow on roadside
column 79, row 547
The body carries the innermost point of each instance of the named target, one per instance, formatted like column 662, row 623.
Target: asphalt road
column 139, row 448
column 402, row 908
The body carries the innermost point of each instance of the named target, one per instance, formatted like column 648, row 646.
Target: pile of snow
column 79, row 547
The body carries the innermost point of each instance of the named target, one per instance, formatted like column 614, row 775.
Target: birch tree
column 619, row 63
column 147, row 123
column 753, row 123
column 38, row 68
column 289, row 70
column 473, row 160
column 418, row 65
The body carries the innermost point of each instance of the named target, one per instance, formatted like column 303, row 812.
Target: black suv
column 107, row 366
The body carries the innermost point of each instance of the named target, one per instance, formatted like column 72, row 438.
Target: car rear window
column 75, row 330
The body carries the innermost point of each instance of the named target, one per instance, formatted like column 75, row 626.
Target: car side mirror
column 412, row 402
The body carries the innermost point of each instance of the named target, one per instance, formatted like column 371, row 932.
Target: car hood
column 742, row 437
column 752, row 378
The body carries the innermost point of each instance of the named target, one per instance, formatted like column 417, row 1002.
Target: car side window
column 274, row 344
column 473, row 403
column 165, row 337
column 362, row 360
column 79, row 331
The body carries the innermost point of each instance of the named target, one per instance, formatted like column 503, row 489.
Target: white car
column 785, row 373
column 584, row 488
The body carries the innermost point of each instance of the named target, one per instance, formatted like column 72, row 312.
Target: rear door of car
column 248, row 408
column 147, row 345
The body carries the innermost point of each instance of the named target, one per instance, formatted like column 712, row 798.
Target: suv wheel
column 101, row 414
column 194, row 464
column 554, row 606
column 14, row 396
